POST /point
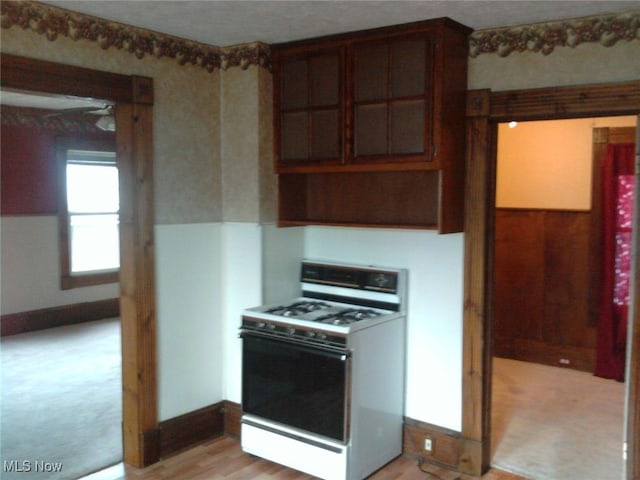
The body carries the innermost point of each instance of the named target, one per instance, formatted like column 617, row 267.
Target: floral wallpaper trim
column 38, row 119
column 540, row 38
column 544, row 37
column 53, row 21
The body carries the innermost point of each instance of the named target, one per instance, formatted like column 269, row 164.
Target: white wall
column 241, row 288
column 434, row 328
column 283, row 250
column 189, row 292
column 31, row 268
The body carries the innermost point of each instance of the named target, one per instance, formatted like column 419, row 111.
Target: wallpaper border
column 543, row 38
column 39, row 119
column 53, row 22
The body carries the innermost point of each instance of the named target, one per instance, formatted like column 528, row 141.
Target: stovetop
column 323, row 312
column 336, row 298
column 308, row 317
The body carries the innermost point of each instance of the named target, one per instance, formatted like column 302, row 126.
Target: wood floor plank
column 223, row 459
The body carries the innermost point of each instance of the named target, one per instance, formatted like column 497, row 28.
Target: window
column 88, row 213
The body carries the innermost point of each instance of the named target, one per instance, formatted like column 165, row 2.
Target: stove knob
column 291, row 330
column 271, row 326
column 310, row 334
column 321, row 336
column 261, row 324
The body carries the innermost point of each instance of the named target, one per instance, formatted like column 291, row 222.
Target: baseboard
column 445, row 444
column 15, row 323
column 187, row 430
column 232, row 416
column 565, row 356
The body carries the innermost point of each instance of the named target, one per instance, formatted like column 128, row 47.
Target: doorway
column 133, row 100
column 484, row 110
column 62, row 374
column 546, row 306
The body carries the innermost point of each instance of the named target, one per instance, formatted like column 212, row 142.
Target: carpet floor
column 61, row 401
column 552, row 423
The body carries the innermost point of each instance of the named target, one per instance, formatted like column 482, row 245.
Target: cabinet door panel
column 294, row 137
column 294, row 84
column 390, row 94
column 325, row 78
column 407, row 127
column 324, row 134
column 371, row 76
column 310, row 107
column 371, row 130
column 408, row 68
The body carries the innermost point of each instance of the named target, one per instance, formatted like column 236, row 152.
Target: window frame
column 67, row 279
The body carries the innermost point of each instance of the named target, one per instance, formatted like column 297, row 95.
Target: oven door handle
column 324, row 350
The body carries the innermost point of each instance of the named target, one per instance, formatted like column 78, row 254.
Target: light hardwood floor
column 223, row 459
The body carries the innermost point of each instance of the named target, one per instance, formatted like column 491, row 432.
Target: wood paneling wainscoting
column 544, row 312
column 15, row 323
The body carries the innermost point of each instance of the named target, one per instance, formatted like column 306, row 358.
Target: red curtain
column 617, row 192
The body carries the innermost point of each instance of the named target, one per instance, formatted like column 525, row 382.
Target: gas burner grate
column 347, row 317
column 298, row 308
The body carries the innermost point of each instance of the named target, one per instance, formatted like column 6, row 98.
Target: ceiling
column 223, row 23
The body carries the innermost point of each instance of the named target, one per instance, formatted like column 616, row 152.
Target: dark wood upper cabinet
column 392, row 104
column 379, row 112
column 310, row 103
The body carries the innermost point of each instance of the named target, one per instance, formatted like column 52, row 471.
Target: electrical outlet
column 428, row 444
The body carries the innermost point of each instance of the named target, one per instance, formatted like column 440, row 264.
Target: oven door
column 298, row 385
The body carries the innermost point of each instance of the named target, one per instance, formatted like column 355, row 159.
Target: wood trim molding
column 566, row 102
column 16, row 323
column 54, row 22
column 478, row 244
column 137, row 280
column 41, row 76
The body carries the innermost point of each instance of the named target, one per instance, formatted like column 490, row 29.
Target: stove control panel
column 289, row 331
column 350, row 277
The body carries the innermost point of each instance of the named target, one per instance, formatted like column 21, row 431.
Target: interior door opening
column 73, row 364
column 546, row 301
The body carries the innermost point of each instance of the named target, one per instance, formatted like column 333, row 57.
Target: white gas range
column 323, row 374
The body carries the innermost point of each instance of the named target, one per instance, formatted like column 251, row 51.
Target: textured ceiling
column 223, row 23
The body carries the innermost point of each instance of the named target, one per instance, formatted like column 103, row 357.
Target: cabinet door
column 309, row 108
column 392, row 107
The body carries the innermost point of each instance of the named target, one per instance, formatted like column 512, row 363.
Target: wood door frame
column 133, row 98
column 485, row 109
